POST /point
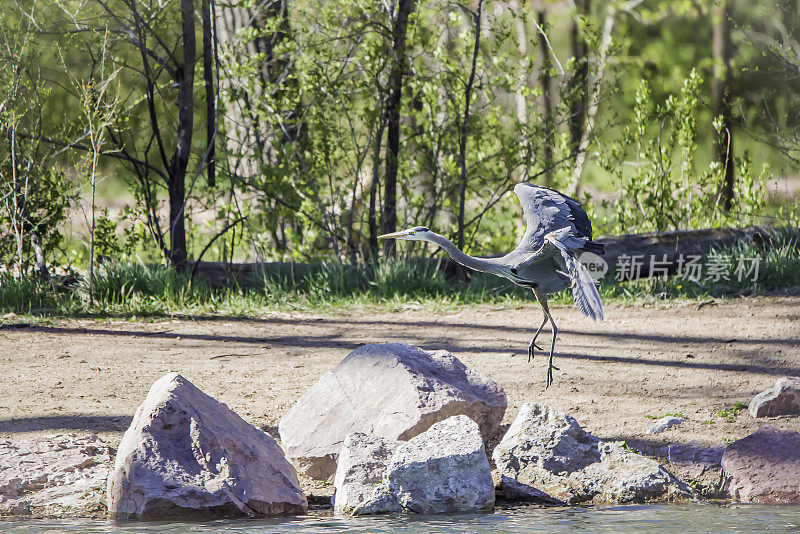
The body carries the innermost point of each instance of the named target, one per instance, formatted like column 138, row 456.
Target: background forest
column 174, row 130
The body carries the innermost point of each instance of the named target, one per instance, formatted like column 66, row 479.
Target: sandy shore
column 642, row 362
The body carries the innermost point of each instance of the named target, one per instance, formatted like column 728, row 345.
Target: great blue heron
column 545, row 260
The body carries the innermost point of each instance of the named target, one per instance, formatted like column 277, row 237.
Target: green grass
column 140, row 290
column 730, row 414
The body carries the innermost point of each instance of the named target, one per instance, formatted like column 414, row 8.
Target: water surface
column 620, row 519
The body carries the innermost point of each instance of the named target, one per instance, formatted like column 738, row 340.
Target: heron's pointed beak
column 392, row 236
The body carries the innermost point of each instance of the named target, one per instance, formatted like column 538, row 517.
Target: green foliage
column 311, row 189
column 106, row 242
column 653, row 163
column 34, row 193
column 306, row 83
column 627, row 447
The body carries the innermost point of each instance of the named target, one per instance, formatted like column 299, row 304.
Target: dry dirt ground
column 642, row 362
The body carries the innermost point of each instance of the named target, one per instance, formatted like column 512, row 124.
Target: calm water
column 651, row 519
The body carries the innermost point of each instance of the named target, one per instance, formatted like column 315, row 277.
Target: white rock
column 186, row 454
column 548, row 450
column 442, row 470
column 60, row 475
column 359, row 479
column 395, row 391
column 665, row 423
column 781, row 399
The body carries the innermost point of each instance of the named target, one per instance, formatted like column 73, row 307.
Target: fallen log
column 660, row 253
column 219, row 273
column 633, row 255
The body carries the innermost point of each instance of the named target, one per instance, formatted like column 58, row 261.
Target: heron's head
column 418, row 233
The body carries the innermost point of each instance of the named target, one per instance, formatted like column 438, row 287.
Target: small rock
column 187, row 454
column 61, row 475
column 764, row 467
column 782, row 399
column 360, row 475
column 665, row 423
column 442, row 470
column 549, row 451
column 395, row 391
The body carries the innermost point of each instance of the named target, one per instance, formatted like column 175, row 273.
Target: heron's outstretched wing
column 562, row 244
column 547, row 210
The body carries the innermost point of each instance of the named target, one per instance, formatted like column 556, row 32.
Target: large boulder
column 764, row 467
column 442, row 470
column 61, row 475
column 781, row 399
column 395, row 391
column 549, row 451
column 186, row 454
column 359, row 480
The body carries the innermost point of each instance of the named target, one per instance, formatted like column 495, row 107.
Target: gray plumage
column 546, row 258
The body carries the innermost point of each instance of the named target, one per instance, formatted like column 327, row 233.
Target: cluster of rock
column 404, row 429
column 396, row 428
column 395, row 391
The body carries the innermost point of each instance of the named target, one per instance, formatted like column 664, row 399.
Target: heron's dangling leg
column 542, row 298
column 533, row 341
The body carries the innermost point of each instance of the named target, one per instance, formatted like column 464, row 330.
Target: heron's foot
column 532, row 346
column 550, row 374
column 550, row 369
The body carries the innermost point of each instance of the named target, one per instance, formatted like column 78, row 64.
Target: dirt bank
column 642, row 362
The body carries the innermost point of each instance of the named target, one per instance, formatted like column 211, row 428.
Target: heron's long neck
column 464, row 259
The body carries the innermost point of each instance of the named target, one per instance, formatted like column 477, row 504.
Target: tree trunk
column 547, row 102
column 373, row 190
column 723, row 146
column 577, row 87
column 38, row 250
column 398, row 70
column 211, row 96
column 594, row 102
column 462, row 143
column 183, row 145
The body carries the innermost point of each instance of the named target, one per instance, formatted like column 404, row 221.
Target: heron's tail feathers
column 584, row 288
